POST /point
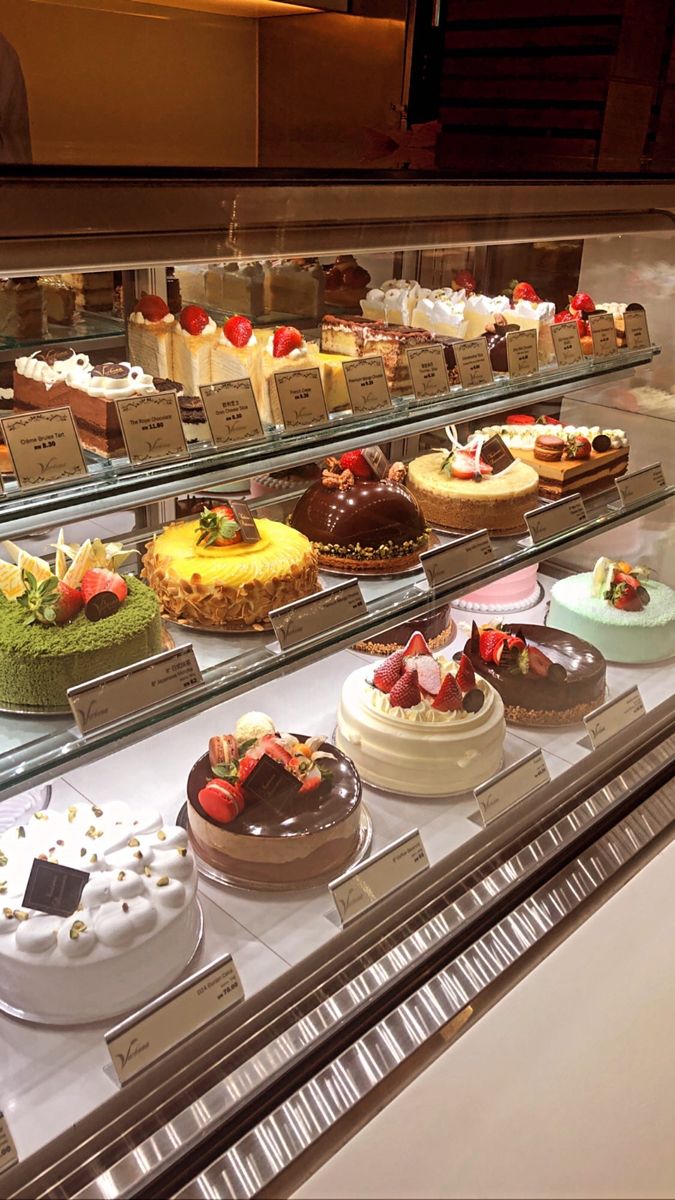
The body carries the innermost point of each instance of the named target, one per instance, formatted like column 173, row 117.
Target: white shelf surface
column 261, row 930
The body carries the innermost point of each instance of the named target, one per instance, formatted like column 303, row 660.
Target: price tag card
column 522, row 353
column 8, row 1155
column 603, row 334
column 44, row 447
column 368, row 882
column 473, row 362
column 567, row 343
column 614, row 716
column 637, row 333
column 637, row 484
column 428, row 371
column 151, row 427
column 306, row 618
column 231, row 412
column 112, row 697
column 447, row 562
column 301, row 398
column 151, row 1032
column 510, row 786
column 557, row 517
column 367, row 384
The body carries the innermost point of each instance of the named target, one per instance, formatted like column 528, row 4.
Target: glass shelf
column 97, row 331
column 114, row 484
column 35, row 749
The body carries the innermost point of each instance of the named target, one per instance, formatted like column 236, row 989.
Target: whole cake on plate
column 437, row 627
column 205, row 573
column 275, row 809
column 420, row 724
column 617, row 607
column 359, row 522
column 132, row 931
column 513, row 593
column 64, row 625
column 456, row 488
column 544, row 676
column 567, row 458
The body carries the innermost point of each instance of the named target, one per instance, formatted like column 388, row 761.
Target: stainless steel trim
column 260, row 1156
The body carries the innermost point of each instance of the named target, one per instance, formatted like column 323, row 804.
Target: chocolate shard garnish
column 601, row 444
column 557, row 673
column 643, row 595
column 102, row 605
column 473, row 700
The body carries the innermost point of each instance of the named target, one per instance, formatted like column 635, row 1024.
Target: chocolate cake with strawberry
column 361, row 517
column 273, row 809
column 544, row 676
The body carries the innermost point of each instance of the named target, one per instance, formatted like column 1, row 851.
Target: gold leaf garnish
column 133, row 842
column 147, row 871
column 72, row 813
column 76, row 929
column 163, row 882
column 20, row 914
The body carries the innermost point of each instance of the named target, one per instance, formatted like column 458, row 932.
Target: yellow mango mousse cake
column 205, row 572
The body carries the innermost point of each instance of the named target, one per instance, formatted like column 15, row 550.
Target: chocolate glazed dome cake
column 358, row 522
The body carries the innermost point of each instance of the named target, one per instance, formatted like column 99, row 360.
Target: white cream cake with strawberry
column 420, row 724
column 63, row 625
column 285, row 350
column 235, row 354
column 149, row 333
column 193, row 336
column 272, row 808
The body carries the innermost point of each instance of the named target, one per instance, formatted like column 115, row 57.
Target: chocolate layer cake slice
column 358, row 338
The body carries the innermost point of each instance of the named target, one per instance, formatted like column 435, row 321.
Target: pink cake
column 511, row 594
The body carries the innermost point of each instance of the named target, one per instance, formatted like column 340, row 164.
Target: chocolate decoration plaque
column 244, row 519
column 522, row 353
column 151, row 427
column 367, row 384
column 603, row 334
column 428, row 371
column 510, row 786
column 473, row 362
column 377, row 460
column 637, row 333
column 566, row 343
column 44, row 447
column 613, row 717
column 365, row 884
column 301, row 398
column 496, row 454
column 54, row 888
column 270, row 782
column 231, row 412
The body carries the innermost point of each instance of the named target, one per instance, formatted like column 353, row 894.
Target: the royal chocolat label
column 521, row 353
column 301, row 398
column 244, row 519
column 647, row 481
column 270, row 781
column 511, row 786
column 637, row 333
column 44, row 447
column 556, row 518
column 8, row 1155
column 149, row 1034
column 231, row 412
column 377, row 460
column 447, row 562
column 567, row 343
column 112, row 697
column 428, row 371
column 614, row 716
column 54, row 888
column 473, row 362
column 308, row 618
column 151, row 427
column 383, row 873
column 603, row 334
column 367, row 384
column 496, row 454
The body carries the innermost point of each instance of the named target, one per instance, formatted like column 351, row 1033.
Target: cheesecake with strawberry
column 193, row 335
column 618, row 607
column 420, row 724
column 149, row 336
column 64, row 623
column 235, row 353
column 207, row 574
column 567, row 458
column 285, row 350
column 543, row 675
column 273, row 809
column 359, row 521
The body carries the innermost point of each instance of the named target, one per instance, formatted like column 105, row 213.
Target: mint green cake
column 38, row 663
column 622, row 636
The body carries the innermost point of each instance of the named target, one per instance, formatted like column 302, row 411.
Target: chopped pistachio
column 161, row 835
column 72, row 813
column 182, row 850
column 94, row 858
column 3, row 887
column 83, row 851
column 8, row 912
column 52, row 858
column 163, row 882
column 147, row 871
column 60, row 842
column 21, row 832
column 121, row 875
column 98, row 812
column 42, row 857
column 41, row 816
column 20, row 914
column 125, row 907
column 3, row 859
column 76, row 929
column 138, row 854
column 133, row 842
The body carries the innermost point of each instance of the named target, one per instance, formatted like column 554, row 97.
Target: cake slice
column 193, row 337
column 357, row 338
column 59, row 299
column 286, row 350
column 334, row 383
column 295, row 286
column 149, row 336
column 235, row 354
column 441, row 313
column 23, row 314
column 94, row 289
column 236, row 287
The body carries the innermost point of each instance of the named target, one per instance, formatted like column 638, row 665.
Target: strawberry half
column 354, row 461
column 69, row 602
column 417, row 644
column 99, row 580
column 449, row 698
column 194, row 319
column 519, row 419
column 491, row 645
column 389, row 672
column 428, row 672
column 582, row 303
column 221, row 800
column 238, row 330
column 406, row 692
column 153, row 308
column 525, row 291
column 465, row 676
column 285, row 339
column 464, row 279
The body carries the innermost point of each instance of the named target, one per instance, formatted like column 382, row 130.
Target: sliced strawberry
column 489, row 641
column 513, row 642
column 406, row 692
column 68, row 604
column 354, row 461
column 311, row 780
column 285, row 339
column 525, row 291
column 221, row 800
column 153, row 308
column 99, row 580
column 428, row 672
column 194, row 319
column 539, row 663
column 417, row 644
column 624, row 577
column 238, row 330
column 273, row 748
column 449, row 698
column 389, row 672
column 465, row 677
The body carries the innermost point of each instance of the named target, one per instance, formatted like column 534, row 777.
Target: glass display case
column 453, row 488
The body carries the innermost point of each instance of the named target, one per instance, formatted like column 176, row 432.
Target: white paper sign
column 637, row 333
column 557, row 517
column 521, row 353
column 473, row 362
column 603, row 334
column 447, row 562
column 567, row 343
column 614, row 716
column 313, row 615
column 8, row 1155
column 510, row 786
column 365, row 884
column 112, row 697
column 637, row 484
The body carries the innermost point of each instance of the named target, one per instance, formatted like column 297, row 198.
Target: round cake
column 421, row 725
column 458, row 490
column 204, row 571
column 64, row 626
column 437, row 627
column 358, row 522
column 133, row 928
column 274, row 809
column 544, row 676
column 617, row 607
column 513, row 593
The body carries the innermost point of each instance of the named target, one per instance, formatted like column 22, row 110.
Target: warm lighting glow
column 224, row 8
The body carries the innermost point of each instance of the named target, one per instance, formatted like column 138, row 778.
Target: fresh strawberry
column 582, row 303
column 625, row 597
column 69, row 602
column 578, row 447
column 153, row 308
column 626, row 577
column 562, row 317
column 275, row 749
column 465, row 676
column 218, row 527
column 333, row 279
column 354, row 461
column 491, row 640
column 389, row 672
column 97, row 579
column 428, row 672
column 194, row 319
column 464, row 279
column 406, row 692
column 525, row 291
column 449, row 698
column 513, row 642
column 538, row 662
column 285, row 339
column 221, row 800
column 416, row 644
column 519, row 419
column 238, row 330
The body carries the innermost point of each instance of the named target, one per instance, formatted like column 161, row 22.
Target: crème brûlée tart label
column 234, row 585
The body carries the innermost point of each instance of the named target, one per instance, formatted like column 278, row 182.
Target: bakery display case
column 350, row 626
